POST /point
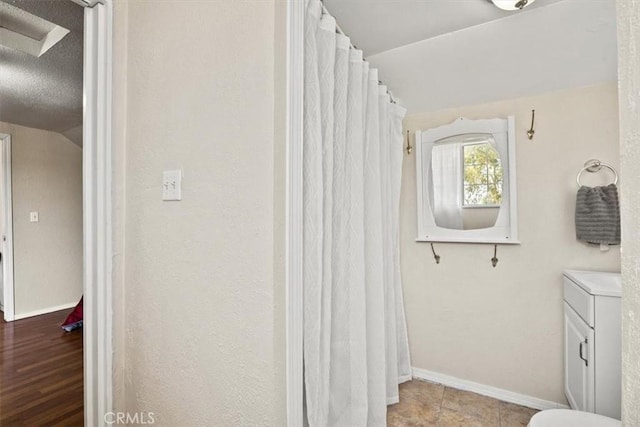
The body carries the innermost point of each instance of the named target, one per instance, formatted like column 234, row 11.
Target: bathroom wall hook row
column 531, row 131
column 435, row 255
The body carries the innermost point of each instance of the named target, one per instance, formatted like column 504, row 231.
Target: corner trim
column 97, row 173
column 486, row 390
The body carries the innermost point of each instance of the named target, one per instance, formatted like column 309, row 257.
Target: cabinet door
column 578, row 361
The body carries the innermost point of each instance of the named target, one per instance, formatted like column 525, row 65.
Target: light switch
column 172, row 185
column 33, row 216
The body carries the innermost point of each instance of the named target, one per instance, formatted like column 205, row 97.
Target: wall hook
column 531, row 131
column 435, row 255
column 409, row 148
column 494, row 260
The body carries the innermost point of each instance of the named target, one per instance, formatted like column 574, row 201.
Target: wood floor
column 41, row 373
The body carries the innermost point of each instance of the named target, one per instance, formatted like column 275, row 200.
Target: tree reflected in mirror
column 482, row 175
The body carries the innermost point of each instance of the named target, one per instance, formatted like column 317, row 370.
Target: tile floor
column 428, row 404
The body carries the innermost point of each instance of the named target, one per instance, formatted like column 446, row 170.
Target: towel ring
column 595, row 166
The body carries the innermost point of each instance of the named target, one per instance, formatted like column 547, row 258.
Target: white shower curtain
column 355, row 339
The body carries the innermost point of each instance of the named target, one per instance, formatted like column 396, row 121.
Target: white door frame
column 8, row 298
column 295, row 88
column 96, row 161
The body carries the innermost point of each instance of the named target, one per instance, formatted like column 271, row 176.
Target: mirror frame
column 505, row 230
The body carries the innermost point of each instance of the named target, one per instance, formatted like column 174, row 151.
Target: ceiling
column 437, row 54
column 46, row 92
column 433, row 54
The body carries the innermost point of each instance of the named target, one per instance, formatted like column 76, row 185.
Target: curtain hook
column 531, row 131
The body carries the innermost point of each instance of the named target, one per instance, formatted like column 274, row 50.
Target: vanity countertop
column 597, row 282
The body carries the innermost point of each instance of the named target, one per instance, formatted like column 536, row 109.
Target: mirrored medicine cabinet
column 466, row 182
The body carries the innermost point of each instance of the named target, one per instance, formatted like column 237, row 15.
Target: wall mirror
column 466, row 182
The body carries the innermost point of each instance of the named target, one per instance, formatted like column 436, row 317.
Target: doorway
column 96, row 209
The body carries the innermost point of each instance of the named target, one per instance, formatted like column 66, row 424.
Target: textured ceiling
column 437, row 54
column 46, row 92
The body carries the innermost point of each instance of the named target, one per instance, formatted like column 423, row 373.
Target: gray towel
column 598, row 215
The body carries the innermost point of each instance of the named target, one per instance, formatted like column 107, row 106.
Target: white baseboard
column 45, row 311
column 486, row 390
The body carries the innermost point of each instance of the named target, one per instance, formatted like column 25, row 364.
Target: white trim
column 467, row 240
column 98, row 345
column 88, row 3
column 295, row 312
column 486, row 390
column 513, row 181
column 37, row 48
column 19, row 37
column 8, row 286
column 45, row 310
column 420, row 185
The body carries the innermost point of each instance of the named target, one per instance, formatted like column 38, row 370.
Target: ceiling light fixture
column 512, row 4
column 27, row 33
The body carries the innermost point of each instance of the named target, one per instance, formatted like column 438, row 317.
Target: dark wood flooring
column 41, row 373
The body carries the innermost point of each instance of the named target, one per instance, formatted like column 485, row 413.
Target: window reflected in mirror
column 482, row 176
column 466, row 182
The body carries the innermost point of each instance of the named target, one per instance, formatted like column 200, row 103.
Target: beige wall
column 629, row 74
column 279, row 214
column 46, row 177
column 503, row 326
column 202, row 340
column 118, row 192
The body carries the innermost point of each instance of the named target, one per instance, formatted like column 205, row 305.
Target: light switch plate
column 172, row 185
column 34, row 217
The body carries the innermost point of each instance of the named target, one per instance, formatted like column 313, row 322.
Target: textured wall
column 118, row 186
column 200, row 281
column 46, row 177
column 279, row 213
column 503, row 326
column 629, row 75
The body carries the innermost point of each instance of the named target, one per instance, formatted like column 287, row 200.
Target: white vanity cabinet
column 592, row 341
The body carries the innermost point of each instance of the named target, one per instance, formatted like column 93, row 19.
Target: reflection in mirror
column 466, row 182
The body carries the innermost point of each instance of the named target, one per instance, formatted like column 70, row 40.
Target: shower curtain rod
column 325, row 11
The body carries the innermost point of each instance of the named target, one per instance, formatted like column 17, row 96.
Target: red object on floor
column 74, row 319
